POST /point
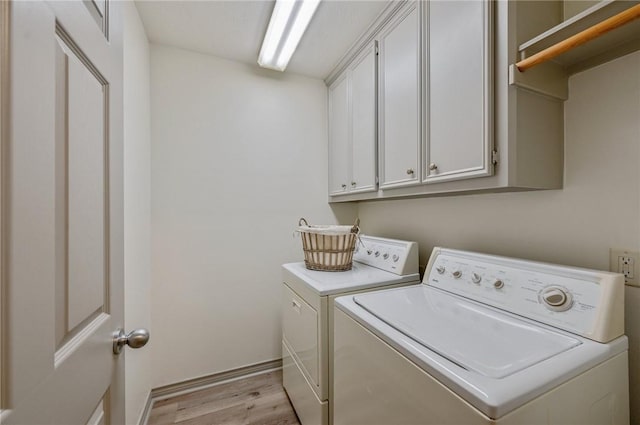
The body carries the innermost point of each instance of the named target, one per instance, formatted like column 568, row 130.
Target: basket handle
column 356, row 227
column 301, row 221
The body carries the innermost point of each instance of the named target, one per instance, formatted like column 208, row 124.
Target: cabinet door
column 363, row 121
column 339, row 151
column 399, row 100
column 459, row 93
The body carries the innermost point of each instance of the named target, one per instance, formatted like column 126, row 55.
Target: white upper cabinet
column 352, row 127
column 458, row 93
column 363, row 121
column 399, row 99
column 449, row 119
column 339, row 152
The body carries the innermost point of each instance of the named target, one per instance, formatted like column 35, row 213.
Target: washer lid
column 479, row 339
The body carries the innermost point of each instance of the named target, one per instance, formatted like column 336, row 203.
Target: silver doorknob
column 134, row 339
column 433, row 166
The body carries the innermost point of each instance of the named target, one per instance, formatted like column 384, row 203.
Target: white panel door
column 62, row 255
column 399, row 99
column 363, row 121
column 339, row 154
column 459, row 136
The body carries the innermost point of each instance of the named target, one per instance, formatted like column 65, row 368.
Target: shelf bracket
column 547, row 78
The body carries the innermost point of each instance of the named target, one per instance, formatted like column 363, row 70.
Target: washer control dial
column 498, row 284
column 556, row 298
column 476, row 278
column 395, row 258
column 457, row 274
column 440, row 269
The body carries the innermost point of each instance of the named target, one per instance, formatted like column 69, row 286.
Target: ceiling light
column 289, row 21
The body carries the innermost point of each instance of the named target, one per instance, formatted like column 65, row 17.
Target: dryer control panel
column 585, row 302
column 392, row 255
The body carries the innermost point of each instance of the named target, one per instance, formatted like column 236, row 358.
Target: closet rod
column 580, row 38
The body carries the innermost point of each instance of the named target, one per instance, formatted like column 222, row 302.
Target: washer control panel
column 585, row 302
column 392, row 255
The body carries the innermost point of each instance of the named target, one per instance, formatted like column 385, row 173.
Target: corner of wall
column 137, row 204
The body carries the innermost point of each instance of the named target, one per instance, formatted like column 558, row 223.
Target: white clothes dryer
column 307, row 317
column 484, row 340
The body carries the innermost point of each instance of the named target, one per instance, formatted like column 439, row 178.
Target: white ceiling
column 235, row 29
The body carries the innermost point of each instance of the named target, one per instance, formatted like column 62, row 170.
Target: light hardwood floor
column 257, row 400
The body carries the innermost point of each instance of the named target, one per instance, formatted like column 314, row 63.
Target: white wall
column 137, row 209
column 598, row 208
column 238, row 155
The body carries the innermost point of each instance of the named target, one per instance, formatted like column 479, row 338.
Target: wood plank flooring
column 257, row 400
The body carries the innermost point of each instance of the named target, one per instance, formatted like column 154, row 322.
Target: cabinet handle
column 353, row 184
column 433, row 166
column 344, row 186
column 410, row 171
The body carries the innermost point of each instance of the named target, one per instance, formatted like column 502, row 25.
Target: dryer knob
column 457, row 274
column 440, row 269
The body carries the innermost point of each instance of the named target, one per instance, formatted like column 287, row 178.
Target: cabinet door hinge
column 495, row 157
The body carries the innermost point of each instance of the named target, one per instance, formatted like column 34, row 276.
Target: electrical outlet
column 625, row 262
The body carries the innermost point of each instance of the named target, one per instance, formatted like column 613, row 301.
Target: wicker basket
column 328, row 248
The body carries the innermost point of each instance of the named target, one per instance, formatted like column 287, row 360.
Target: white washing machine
column 307, row 316
column 484, row 340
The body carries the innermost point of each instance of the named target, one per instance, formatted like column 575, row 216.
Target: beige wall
column 573, row 7
column 598, row 208
column 238, row 155
column 137, row 205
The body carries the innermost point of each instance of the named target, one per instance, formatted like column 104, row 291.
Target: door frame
column 4, row 81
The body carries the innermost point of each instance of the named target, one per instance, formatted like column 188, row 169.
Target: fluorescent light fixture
column 289, row 21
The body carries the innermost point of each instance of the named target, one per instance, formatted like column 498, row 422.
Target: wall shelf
column 615, row 43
